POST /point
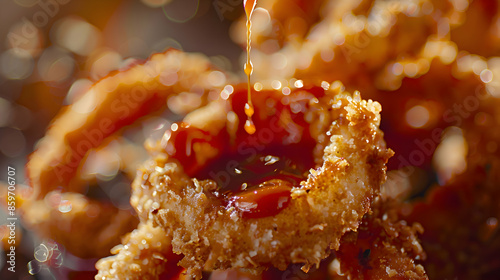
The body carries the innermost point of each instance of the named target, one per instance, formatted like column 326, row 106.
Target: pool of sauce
column 254, row 173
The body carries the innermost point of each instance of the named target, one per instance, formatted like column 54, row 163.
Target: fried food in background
column 109, row 105
column 445, row 92
column 460, row 219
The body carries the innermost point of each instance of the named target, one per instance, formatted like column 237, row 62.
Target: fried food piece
column 146, row 254
column 461, row 97
column 460, row 215
column 384, row 247
column 273, row 227
column 425, row 95
column 358, row 55
column 73, row 219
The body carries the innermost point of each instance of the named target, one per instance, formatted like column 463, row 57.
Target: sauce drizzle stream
column 249, row 110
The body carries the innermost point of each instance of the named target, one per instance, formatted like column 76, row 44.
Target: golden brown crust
column 384, row 247
column 143, row 255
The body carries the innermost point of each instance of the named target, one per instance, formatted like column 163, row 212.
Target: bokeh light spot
column 417, row 116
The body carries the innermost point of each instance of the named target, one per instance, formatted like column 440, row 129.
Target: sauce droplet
column 249, row 110
column 249, row 6
column 250, row 126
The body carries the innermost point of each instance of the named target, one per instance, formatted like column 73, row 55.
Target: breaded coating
column 144, row 255
column 384, row 247
column 331, row 202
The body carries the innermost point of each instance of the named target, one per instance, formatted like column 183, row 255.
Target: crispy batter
column 460, row 215
column 383, row 247
column 331, row 202
column 144, row 255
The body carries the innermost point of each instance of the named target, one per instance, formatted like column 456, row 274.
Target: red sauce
column 255, row 173
column 172, row 270
column 182, row 144
column 266, row 200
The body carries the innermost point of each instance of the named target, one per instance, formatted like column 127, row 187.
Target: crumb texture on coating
column 331, row 202
column 384, row 247
column 143, row 255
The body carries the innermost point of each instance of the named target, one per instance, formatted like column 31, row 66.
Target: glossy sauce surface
column 254, row 173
